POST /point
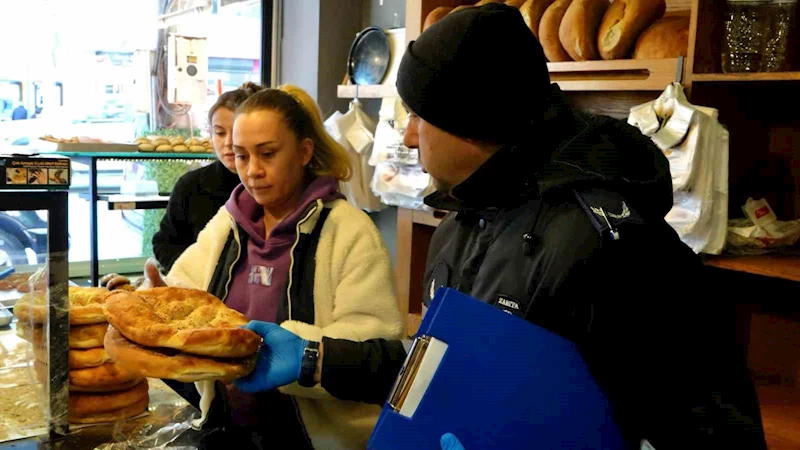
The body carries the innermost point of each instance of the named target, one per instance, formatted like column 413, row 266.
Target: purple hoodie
column 260, row 277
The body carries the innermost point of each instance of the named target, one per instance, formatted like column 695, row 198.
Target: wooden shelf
column 780, row 414
column 366, row 91
column 616, row 75
column 745, row 77
column 776, row 266
column 429, row 218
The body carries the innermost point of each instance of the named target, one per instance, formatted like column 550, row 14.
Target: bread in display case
column 34, row 370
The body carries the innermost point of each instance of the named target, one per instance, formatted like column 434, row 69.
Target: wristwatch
column 309, row 365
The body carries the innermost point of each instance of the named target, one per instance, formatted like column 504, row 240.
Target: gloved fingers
column 261, row 328
column 450, row 442
column 256, row 381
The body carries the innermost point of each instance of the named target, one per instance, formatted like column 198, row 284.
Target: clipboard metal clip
column 408, row 372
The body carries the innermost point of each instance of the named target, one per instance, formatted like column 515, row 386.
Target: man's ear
column 307, row 150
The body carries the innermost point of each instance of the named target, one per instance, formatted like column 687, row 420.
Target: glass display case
column 34, row 381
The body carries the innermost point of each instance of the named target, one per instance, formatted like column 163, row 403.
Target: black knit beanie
column 478, row 73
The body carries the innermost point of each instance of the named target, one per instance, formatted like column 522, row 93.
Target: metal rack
column 118, row 202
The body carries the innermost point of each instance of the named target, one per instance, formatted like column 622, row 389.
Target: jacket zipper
column 238, row 255
column 291, row 254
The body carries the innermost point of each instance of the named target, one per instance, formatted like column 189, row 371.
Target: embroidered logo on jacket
column 508, row 305
column 260, row 275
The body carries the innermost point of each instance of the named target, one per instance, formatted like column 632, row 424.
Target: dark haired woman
column 199, row 194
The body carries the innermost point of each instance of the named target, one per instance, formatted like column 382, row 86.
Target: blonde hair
column 302, row 115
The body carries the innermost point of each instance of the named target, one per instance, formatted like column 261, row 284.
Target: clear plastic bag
column 166, row 428
column 410, row 181
column 388, row 145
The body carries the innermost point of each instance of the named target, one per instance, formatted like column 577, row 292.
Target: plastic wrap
column 154, row 436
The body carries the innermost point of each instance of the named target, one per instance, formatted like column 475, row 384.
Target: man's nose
column 411, row 136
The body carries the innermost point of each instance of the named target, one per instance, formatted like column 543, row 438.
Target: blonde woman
column 288, row 249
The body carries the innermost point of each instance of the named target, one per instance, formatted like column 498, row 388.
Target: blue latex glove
column 278, row 361
column 450, row 442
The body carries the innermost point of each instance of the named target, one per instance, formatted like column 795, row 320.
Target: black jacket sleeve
column 175, row 233
column 361, row 371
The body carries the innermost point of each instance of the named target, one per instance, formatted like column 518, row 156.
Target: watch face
column 309, row 365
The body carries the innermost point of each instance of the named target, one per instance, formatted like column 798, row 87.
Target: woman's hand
column 279, row 359
column 152, row 277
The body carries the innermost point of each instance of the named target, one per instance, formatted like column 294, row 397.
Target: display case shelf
column 745, row 77
column 775, row 266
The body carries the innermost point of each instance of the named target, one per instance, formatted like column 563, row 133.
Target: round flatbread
column 169, row 364
column 84, row 359
column 87, row 336
column 80, row 336
column 105, row 378
column 111, row 416
column 188, row 320
column 86, row 306
column 88, row 406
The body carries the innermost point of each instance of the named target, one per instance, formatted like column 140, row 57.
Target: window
column 109, row 82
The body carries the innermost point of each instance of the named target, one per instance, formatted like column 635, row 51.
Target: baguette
column 578, row 29
column 667, row 38
column 548, row 31
column 516, row 3
column 622, row 23
column 532, row 12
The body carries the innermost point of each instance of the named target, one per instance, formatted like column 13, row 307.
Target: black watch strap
column 309, row 365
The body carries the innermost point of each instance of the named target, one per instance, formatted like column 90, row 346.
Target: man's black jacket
column 567, row 231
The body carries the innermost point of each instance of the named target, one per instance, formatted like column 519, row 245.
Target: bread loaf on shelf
column 532, row 12
column 667, row 38
column 578, row 29
column 622, row 23
column 548, row 31
column 436, row 15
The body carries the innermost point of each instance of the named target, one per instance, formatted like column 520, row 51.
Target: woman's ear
column 306, row 150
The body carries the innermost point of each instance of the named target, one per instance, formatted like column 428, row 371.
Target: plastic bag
column 409, row 181
column 388, row 146
column 696, row 146
column 151, row 436
column 354, row 131
column 761, row 230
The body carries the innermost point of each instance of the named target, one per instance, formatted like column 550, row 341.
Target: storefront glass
column 92, row 69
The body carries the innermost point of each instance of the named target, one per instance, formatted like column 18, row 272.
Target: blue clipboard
column 496, row 381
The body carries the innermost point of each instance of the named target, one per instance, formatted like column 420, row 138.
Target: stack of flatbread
column 99, row 390
column 181, row 334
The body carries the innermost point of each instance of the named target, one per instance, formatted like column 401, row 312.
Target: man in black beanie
column 557, row 217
